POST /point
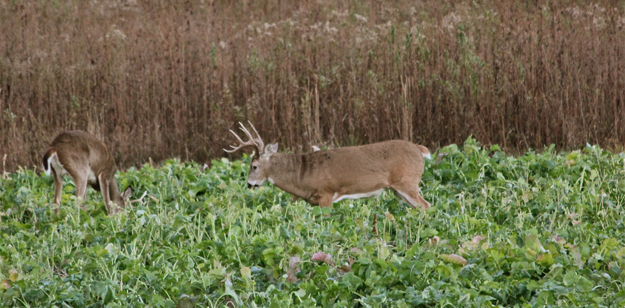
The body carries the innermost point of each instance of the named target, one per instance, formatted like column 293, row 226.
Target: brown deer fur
column 88, row 161
column 328, row 176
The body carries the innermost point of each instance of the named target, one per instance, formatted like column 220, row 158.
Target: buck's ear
column 271, row 148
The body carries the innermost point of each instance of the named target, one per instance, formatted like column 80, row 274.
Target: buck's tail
column 424, row 151
column 46, row 160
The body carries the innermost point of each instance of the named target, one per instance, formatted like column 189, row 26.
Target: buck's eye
column 254, row 167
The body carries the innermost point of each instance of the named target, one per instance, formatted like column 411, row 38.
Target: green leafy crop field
column 539, row 229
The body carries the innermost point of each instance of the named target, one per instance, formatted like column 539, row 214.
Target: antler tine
column 247, row 132
column 234, row 149
column 235, row 135
column 258, row 140
column 242, row 144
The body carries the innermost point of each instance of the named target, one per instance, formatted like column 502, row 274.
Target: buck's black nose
column 249, row 185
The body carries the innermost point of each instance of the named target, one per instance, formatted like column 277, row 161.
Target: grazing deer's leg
column 80, row 181
column 81, row 187
column 58, row 187
column 104, row 188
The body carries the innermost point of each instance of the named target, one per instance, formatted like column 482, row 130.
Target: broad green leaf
column 246, row 272
column 584, row 284
column 14, row 275
column 570, row 278
column 609, row 244
column 351, row 280
column 545, row 259
column 455, row 259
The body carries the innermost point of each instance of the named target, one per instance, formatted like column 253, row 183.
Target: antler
column 255, row 142
column 258, row 140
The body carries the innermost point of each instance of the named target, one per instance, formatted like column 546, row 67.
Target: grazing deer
column 328, row 176
column 88, row 161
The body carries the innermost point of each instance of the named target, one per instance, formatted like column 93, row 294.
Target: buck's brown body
column 88, row 161
column 328, row 176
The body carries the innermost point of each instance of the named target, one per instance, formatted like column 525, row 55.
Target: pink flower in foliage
column 347, row 268
column 294, row 262
column 293, row 269
column 324, row 257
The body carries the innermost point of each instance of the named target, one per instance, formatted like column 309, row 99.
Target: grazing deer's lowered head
column 88, row 161
column 328, row 176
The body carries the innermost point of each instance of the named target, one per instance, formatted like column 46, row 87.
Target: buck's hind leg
column 410, row 193
column 424, row 203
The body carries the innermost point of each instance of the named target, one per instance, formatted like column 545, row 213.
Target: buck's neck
column 284, row 170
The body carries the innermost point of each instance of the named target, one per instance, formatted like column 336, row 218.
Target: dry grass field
column 169, row 78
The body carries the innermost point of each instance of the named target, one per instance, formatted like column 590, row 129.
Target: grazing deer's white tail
column 47, row 158
column 425, row 151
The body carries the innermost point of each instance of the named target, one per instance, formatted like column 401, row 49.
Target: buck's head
column 259, row 168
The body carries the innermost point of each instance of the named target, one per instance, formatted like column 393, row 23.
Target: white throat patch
column 255, row 183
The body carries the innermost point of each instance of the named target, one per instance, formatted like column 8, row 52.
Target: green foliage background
column 552, row 225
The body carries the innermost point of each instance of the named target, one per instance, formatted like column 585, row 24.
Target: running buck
column 88, row 161
column 328, row 176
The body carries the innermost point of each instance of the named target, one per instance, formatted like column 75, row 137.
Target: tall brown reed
column 169, row 78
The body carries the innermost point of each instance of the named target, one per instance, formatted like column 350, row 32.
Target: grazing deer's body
column 328, row 176
column 88, row 161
